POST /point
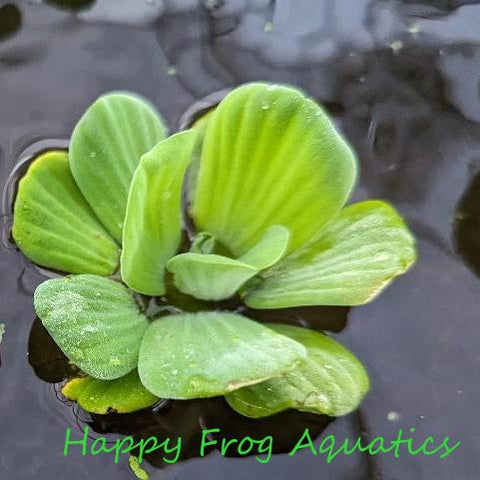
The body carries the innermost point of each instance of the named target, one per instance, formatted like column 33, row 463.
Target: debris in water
column 137, row 469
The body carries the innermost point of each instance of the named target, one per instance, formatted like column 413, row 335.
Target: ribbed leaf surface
column 271, row 157
column 352, row 259
column 54, row 226
column 105, row 149
column 153, row 221
column 95, row 321
column 330, row 380
column 208, row 354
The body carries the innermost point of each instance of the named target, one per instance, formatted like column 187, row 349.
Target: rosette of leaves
column 264, row 178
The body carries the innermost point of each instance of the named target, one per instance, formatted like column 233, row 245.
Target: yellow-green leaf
column 54, row 226
column 271, row 156
column 349, row 262
column 153, row 221
column 122, row 395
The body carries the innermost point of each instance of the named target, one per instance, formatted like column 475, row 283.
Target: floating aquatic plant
column 264, row 179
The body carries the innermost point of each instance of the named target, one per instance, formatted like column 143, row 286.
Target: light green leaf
column 95, row 321
column 271, row 156
column 351, row 260
column 2, row 331
column 209, row 354
column 123, row 395
column 329, row 381
column 269, row 250
column 54, row 226
column 204, row 243
column 105, row 149
column 209, row 277
column 153, row 222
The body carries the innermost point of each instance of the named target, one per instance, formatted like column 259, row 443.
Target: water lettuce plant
column 263, row 179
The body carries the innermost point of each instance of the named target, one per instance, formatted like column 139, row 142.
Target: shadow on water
column 467, row 225
column 10, row 20
column 74, row 5
column 444, row 5
column 47, row 360
column 333, row 319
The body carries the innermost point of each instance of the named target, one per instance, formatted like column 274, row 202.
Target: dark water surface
column 402, row 80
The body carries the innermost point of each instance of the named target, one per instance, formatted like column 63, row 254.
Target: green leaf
column 209, row 277
column 204, row 243
column 330, row 380
column 54, row 226
column 105, row 149
column 269, row 250
column 2, row 331
column 271, row 156
column 209, row 354
column 351, row 260
column 153, row 222
column 95, row 321
column 123, row 395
